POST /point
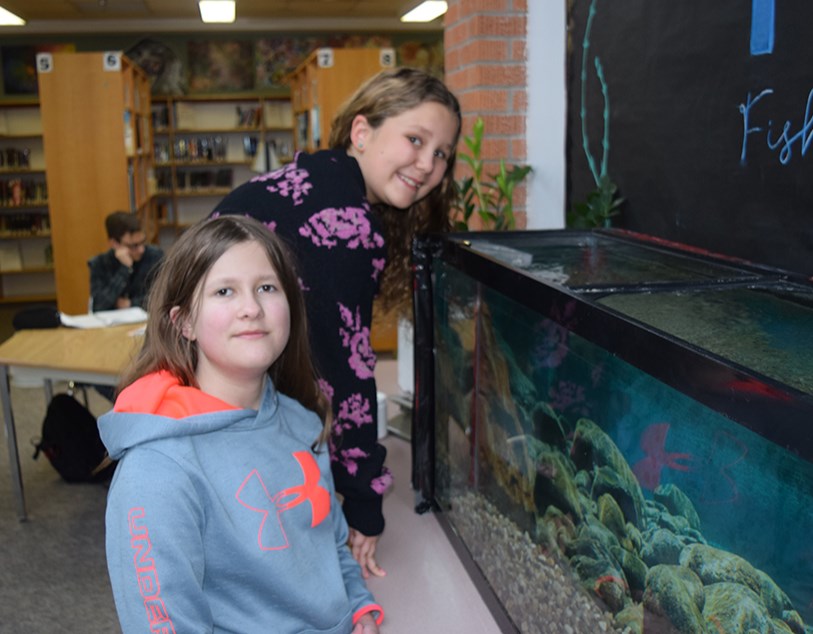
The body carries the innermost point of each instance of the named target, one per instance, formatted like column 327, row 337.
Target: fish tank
column 617, row 432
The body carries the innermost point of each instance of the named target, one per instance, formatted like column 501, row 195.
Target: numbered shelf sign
column 112, row 61
column 386, row 57
column 45, row 62
column 324, row 58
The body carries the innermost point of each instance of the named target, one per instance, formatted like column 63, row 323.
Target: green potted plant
column 601, row 205
column 491, row 198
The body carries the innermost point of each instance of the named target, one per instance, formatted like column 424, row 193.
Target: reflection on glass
column 577, row 261
column 769, row 330
column 596, row 498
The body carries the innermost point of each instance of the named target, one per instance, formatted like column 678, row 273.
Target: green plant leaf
column 601, row 204
column 492, row 200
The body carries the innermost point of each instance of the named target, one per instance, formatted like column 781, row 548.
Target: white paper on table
column 105, row 318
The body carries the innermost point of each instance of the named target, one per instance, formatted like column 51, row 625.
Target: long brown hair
column 389, row 94
column 176, row 284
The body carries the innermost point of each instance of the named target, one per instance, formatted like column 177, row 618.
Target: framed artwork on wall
column 221, row 66
column 19, row 67
column 163, row 66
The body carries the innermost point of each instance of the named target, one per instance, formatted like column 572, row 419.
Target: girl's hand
column 363, row 549
column 366, row 625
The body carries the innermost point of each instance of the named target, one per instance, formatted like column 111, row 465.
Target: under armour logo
column 254, row 496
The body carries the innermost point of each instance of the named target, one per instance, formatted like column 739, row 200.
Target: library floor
column 426, row 588
column 53, row 576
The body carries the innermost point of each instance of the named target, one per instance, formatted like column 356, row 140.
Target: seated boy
column 120, row 277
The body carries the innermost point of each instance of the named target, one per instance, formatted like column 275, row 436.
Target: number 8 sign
column 387, row 57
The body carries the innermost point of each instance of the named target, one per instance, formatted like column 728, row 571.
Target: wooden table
column 94, row 356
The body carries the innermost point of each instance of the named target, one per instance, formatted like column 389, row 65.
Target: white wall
column 546, row 118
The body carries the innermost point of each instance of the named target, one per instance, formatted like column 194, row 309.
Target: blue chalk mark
column 763, row 13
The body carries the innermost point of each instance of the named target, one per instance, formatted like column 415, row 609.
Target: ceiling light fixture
column 216, row 10
column 425, row 11
column 7, row 18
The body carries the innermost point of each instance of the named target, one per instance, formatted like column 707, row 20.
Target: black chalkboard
column 709, row 121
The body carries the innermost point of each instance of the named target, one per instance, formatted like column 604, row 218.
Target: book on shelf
column 279, row 114
column 129, row 142
column 248, row 117
column 34, row 254
column 132, row 186
column 184, row 116
column 10, row 257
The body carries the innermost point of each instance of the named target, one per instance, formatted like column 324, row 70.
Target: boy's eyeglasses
column 134, row 246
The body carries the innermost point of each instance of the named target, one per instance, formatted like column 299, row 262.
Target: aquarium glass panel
column 454, row 330
column 577, row 260
column 594, row 497
column 767, row 329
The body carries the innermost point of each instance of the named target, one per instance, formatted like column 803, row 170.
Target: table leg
column 11, row 439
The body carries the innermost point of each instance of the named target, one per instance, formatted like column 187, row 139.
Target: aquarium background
column 593, row 494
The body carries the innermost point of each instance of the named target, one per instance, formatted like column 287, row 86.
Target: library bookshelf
column 97, row 137
column 206, row 145
column 323, row 82
column 26, row 263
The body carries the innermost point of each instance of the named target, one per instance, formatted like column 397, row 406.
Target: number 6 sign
column 112, row 60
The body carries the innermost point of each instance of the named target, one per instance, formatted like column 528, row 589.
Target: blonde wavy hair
column 389, row 94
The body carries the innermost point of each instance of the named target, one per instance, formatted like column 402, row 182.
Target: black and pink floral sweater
column 318, row 203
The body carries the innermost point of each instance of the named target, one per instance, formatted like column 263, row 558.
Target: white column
column 547, row 116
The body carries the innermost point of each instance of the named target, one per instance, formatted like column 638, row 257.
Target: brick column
column 485, row 65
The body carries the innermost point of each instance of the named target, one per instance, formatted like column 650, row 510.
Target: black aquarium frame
column 775, row 411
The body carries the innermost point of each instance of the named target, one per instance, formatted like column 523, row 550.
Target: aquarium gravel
column 542, row 596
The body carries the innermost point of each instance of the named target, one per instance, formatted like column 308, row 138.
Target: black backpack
column 70, row 440
column 36, row 317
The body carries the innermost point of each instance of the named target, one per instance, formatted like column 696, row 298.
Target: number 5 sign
column 45, row 62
